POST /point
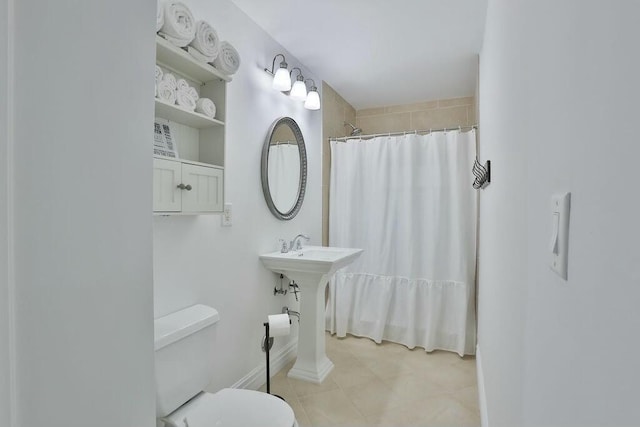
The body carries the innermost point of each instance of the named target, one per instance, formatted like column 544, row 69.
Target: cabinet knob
column 188, row 187
column 181, row 186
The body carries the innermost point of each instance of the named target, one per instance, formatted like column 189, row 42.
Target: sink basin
column 311, row 268
column 311, row 259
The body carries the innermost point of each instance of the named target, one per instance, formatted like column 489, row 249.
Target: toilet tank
column 183, row 353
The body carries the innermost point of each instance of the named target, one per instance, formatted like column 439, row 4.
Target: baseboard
column 482, row 397
column 279, row 359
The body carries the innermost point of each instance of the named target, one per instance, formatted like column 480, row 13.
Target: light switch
column 559, row 247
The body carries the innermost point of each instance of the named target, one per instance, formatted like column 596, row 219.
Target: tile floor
column 385, row 385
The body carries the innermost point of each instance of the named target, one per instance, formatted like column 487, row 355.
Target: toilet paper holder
column 267, row 343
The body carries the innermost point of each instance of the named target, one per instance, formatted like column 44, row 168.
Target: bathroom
column 85, row 268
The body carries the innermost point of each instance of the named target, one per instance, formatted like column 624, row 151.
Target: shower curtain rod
column 407, row 132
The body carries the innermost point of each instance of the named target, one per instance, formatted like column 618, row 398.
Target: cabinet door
column 206, row 189
column 166, row 178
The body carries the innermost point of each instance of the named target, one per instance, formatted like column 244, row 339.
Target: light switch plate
column 227, row 215
column 559, row 248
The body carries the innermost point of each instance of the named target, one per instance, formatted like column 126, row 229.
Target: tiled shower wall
column 437, row 114
column 441, row 113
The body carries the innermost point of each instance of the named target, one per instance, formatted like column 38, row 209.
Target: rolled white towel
column 228, row 61
column 194, row 93
column 179, row 26
column 181, row 84
column 159, row 74
column 206, row 106
column 206, row 40
column 159, row 16
column 185, row 100
column 199, row 56
column 166, row 92
column 171, row 79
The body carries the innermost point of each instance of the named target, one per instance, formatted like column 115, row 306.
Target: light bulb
column 299, row 91
column 313, row 100
column 282, row 80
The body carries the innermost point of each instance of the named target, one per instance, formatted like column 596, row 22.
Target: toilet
column 184, row 344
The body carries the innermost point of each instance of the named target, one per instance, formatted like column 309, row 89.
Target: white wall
column 5, row 325
column 502, row 249
column 559, row 91
column 197, row 260
column 83, row 226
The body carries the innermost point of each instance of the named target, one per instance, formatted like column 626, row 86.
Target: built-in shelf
column 190, row 118
column 177, row 59
column 193, row 184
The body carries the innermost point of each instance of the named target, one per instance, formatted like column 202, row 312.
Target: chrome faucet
column 296, row 244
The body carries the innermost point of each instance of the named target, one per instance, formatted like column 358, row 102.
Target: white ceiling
column 380, row 52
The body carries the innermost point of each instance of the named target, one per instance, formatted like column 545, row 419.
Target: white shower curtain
column 408, row 202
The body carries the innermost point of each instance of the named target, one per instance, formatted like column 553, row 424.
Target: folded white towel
column 179, row 26
column 206, row 106
column 199, row 56
column 171, row 79
column 228, row 61
column 185, row 100
column 194, row 93
column 166, row 92
column 159, row 16
column 159, row 74
column 182, row 84
column 206, row 40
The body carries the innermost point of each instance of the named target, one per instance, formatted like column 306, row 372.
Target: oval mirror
column 284, row 168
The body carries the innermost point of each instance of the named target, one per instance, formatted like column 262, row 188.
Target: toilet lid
column 234, row 408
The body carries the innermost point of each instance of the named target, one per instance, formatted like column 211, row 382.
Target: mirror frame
column 291, row 123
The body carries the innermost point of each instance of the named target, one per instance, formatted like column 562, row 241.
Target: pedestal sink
column 311, row 268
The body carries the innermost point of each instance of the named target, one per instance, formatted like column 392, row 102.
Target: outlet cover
column 227, row 215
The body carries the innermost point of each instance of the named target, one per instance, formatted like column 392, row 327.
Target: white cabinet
column 167, row 175
column 184, row 187
column 200, row 140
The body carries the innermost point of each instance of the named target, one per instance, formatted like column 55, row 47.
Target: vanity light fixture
column 313, row 98
column 281, row 78
column 299, row 89
column 282, row 82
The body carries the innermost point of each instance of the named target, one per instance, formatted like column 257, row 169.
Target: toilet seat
column 233, row 408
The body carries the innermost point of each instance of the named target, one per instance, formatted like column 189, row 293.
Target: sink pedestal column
column 312, row 363
column 311, row 268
